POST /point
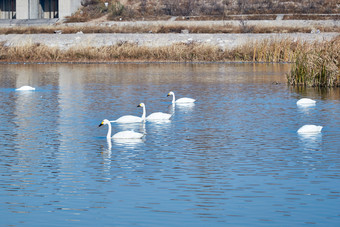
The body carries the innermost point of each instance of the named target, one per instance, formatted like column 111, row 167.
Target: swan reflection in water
column 128, row 143
column 120, row 145
column 107, row 152
column 185, row 106
column 311, row 142
column 140, row 127
column 306, row 109
column 310, row 136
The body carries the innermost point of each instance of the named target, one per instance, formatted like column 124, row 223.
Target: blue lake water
column 233, row 158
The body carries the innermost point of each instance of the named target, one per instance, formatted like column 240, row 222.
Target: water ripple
column 232, row 158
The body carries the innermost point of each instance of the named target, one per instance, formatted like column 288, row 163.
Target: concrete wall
column 22, row 9
column 33, row 10
column 27, row 9
column 67, row 7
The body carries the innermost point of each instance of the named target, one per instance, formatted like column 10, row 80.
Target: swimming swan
column 181, row 100
column 305, row 101
column 310, row 129
column 25, row 88
column 130, row 118
column 120, row 135
column 155, row 116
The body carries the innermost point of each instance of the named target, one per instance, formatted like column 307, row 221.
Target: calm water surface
column 231, row 159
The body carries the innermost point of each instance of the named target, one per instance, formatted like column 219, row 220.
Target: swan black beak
column 139, row 105
column 168, row 95
column 101, row 124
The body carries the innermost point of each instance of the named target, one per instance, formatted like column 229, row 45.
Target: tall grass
column 268, row 51
column 191, row 28
column 265, row 51
column 121, row 52
column 314, row 64
column 317, row 65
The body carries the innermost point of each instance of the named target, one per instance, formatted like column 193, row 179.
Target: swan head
column 170, row 93
column 104, row 122
column 141, row 105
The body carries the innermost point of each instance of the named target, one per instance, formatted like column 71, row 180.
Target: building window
column 7, row 9
column 48, row 9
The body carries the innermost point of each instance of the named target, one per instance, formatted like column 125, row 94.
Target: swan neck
column 109, row 131
column 144, row 113
column 173, row 98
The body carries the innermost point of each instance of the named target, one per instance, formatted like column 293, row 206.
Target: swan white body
column 181, row 100
column 128, row 119
column 131, row 118
column 120, row 135
column 127, row 135
column 158, row 116
column 310, row 129
column 305, row 101
column 155, row 116
column 25, row 88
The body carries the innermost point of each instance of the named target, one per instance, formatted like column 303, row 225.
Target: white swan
column 120, row 135
column 181, row 100
column 155, row 116
column 25, row 88
column 305, row 102
column 310, row 129
column 130, row 118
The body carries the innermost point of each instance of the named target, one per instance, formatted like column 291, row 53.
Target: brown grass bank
column 285, row 50
column 314, row 64
column 242, row 27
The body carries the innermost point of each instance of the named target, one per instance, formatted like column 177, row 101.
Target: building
column 37, row 9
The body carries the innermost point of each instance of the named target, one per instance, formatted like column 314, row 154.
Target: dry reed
column 317, row 65
column 265, row 51
column 120, row 52
column 268, row 51
column 88, row 28
column 314, row 64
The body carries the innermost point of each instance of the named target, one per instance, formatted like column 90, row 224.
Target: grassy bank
column 314, row 64
column 242, row 27
column 266, row 51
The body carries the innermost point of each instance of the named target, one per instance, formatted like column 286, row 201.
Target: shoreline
column 134, row 62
